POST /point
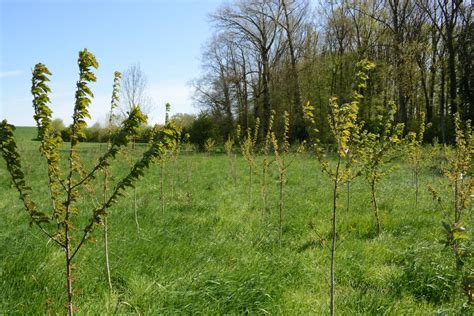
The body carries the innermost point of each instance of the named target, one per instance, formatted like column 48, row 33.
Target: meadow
column 210, row 253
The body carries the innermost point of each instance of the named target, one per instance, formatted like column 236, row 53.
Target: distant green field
column 209, row 253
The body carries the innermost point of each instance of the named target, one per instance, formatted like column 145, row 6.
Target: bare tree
column 293, row 22
column 241, row 71
column 275, row 55
column 445, row 15
column 255, row 21
column 213, row 90
column 134, row 90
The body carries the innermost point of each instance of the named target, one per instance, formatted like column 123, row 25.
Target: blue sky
column 164, row 36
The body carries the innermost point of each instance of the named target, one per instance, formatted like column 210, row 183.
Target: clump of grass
column 206, row 236
column 427, row 274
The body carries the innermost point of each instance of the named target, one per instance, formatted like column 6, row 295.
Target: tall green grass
column 210, row 254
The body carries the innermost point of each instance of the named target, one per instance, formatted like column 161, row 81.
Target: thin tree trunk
column 452, row 74
column 135, row 206
column 106, row 239
column 264, row 186
column 416, row 187
column 266, row 91
column 250, row 186
column 348, row 195
column 294, row 71
column 106, row 250
column 376, row 209
column 135, row 209
column 234, row 171
column 333, row 243
column 426, row 93
column 246, row 102
column 162, row 194
column 402, row 101
column 457, row 219
column 435, row 37
column 349, row 186
column 281, row 205
column 70, row 308
column 457, row 213
column 442, row 106
column 173, row 167
column 431, row 89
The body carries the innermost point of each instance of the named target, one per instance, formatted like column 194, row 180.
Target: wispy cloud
column 12, row 73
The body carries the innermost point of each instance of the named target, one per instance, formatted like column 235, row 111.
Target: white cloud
column 12, row 73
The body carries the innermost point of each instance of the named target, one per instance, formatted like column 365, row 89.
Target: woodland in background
column 277, row 55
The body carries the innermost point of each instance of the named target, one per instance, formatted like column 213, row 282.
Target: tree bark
column 297, row 106
column 442, row 106
column 266, row 91
column 452, row 74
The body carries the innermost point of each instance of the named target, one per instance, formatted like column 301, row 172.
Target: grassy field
column 210, row 253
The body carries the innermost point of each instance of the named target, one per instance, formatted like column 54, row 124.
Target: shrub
column 202, row 129
column 57, row 126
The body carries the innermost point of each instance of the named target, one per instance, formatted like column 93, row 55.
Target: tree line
column 276, row 55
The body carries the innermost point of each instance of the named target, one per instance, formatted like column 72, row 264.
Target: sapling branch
column 123, row 138
column 50, row 140
column 64, row 213
column 113, row 104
